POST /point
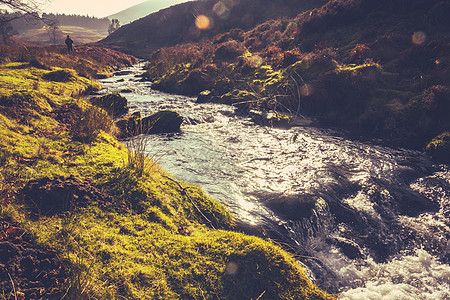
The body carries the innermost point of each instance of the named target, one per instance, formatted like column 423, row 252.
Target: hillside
column 141, row 10
column 80, row 35
column 84, row 217
column 84, row 29
column 176, row 24
column 377, row 68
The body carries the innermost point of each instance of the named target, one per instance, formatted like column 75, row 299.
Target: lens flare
column 291, row 28
column 221, row 10
column 419, row 37
column 255, row 61
column 203, row 22
column 232, row 268
column 306, row 90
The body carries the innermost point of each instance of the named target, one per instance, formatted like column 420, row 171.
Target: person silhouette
column 69, row 43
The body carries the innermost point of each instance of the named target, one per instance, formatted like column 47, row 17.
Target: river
column 367, row 221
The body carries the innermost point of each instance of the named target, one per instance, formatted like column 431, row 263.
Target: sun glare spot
column 232, row 268
column 291, row 27
column 306, row 90
column 255, row 61
column 221, row 10
column 419, row 37
column 203, row 22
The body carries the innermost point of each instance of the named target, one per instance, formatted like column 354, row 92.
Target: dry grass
column 93, row 120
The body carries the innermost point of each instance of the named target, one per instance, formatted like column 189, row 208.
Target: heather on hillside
column 378, row 68
column 180, row 23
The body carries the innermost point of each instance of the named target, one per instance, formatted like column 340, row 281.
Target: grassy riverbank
column 84, row 217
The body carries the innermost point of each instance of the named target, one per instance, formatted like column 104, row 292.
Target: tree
column 16, row 9
column 6, row 30
column 53, row 30
column 31, row 7
column 27, row 9
column 115, row 24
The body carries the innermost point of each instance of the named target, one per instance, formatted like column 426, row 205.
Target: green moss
column 59, row 76
column 167, row 239
column 28, row 78
column 239, row 96
column 439, row 148
column 139, row 259
column 356, row 67
column 310, row 67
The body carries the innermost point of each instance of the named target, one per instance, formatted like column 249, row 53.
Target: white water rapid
column 367, row 221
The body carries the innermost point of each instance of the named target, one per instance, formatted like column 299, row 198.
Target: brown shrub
column 359, row 53
column 272, row 55
column 289, row 57
column 93, row 120
column 59, row 76
column 228, row 51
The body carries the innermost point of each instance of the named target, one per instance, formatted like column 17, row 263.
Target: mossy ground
column 169, row 240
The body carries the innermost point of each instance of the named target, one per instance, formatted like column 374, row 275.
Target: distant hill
column 143, row 9
column 80, row 35
column 84, row 29
column 177, row 24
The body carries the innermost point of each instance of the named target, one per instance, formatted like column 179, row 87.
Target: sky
column 97, row 8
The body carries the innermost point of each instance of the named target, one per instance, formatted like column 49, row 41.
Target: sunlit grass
column 159, row 238
column 81, row 35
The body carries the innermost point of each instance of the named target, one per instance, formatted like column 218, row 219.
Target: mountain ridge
column 177, row 24
column 142, row 9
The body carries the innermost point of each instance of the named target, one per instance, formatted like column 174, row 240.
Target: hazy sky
column 98, row 8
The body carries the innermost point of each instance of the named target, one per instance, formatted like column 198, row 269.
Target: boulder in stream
column 207, row 96
column 292, row 207
column 114, row 103
column 165, row 121
column 439, row 148
column 277, row 119
column 351, row 249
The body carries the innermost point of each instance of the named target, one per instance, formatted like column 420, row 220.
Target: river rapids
column 366, row 221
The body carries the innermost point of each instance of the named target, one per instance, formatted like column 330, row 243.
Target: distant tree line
column 22, row 23
column 17, row 16
column 13, row 23
column 81, row 21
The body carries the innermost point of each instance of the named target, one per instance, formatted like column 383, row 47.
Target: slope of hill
column 84, row 29
column 377, row 68
column 179, row 24
column 80, row 35
column 141, row 10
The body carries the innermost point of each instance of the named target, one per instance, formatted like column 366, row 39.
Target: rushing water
column 368, row 222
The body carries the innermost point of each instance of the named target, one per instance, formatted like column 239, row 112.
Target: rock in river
column 439, row 148
column 165, row 121
column 115, row 104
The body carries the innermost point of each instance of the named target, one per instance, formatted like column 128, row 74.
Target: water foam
column 414, row 276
